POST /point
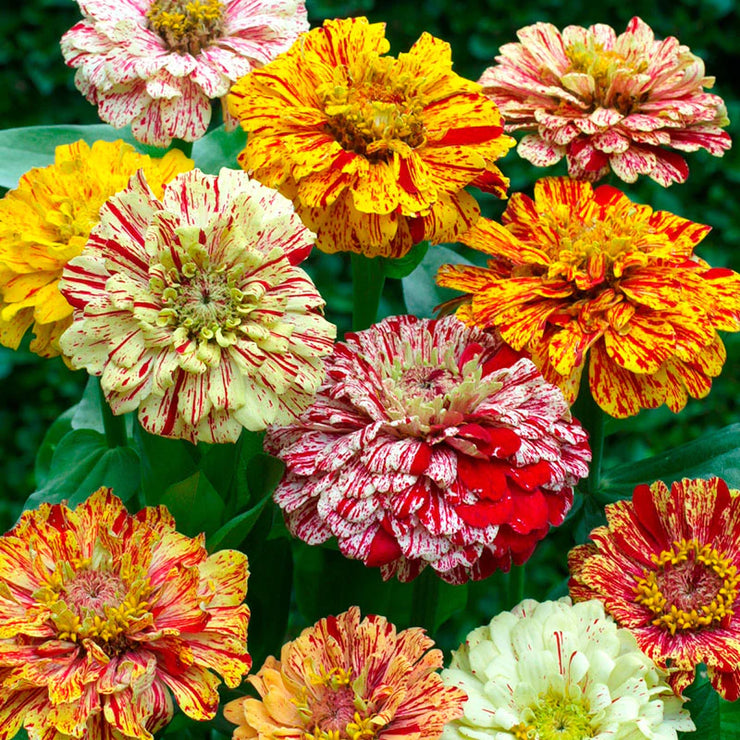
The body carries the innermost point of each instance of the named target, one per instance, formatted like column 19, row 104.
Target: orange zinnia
column 373, row 150
column 577, row 271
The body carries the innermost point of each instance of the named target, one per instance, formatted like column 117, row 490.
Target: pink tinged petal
column 541, row 154
column 120, row 108
column 630, row 164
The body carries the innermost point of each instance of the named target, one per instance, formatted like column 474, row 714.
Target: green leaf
column 21, row 149
column 218, row 149
column 703, row 704
column 420, row 291
column 729, row 719
column 714, row 454
column 403, row 266
column 81, row 463
column 195, row 504
column 54, row 434
column 233, row 533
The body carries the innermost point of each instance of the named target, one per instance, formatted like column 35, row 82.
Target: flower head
column 157, row 64
column 105, row 617
column 560, row 671
column 346, row 679
column 192, row 309
column 46, row 221
column 430, row 444
column 666, row 567
column 602, row 100
column 373, row 150
column 578, row 272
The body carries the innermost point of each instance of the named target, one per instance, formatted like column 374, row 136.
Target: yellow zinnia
column 46, row 221
column 373, row 150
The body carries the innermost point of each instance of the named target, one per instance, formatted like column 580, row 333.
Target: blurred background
column 38, row 90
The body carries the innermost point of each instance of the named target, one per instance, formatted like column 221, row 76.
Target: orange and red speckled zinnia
column 106, row 617
column 346, row 679
column 666, row 567
column 579, row 273
column 374, row 151
column 628, row 103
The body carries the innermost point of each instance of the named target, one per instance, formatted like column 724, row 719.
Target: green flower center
column 555, row 717
column 186, row 26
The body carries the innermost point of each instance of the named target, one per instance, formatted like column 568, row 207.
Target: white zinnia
column 560, row 671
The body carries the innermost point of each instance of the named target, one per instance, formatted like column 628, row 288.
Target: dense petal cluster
column 191, row 308
column 578, row 272
column 373, row 150
column 430, row 443
column 105, row 617
column 157, row 64
column 666, row 567
column 605, row 101
column 346, row 679
column 46, row 221
column 560, row 671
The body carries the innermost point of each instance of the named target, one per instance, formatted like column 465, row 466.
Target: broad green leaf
column 54, row 435
column 420, row 291
column 233, row 533
column 729, row 719
column 22, row 149
column 195, row 504
column 703, row 704
column 714, row 454
column 404, row 266
column 81, row 463
column 218, row 149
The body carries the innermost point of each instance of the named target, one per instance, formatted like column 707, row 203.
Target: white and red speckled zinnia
column 430, row 443
column 627, row 102
column 193, row 310
column 105, row 617
column 157, row 64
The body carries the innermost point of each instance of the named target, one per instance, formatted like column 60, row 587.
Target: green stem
column 592, row 418
column 424, row 600
column 368, row 278
column 515, row 585
column 115, row 426
column 186, row 147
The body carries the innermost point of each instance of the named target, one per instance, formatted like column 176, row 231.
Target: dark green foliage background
column 38, row 89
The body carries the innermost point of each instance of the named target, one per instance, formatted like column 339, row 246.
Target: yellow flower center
column 186, row 26
column 376, row 115
column 213, row 304
column 96, row 601
column 334, row 710
column 555, row 717
column 605, row 67
column 693, row 586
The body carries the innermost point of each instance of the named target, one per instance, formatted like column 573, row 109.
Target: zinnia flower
column 666, row 568
column 105, row 617
column 560, row 671
column 579, row 272
column 604, row 101
column 430, row 444
column 157, row 64
column 191, row 307
column 343, row 679
column 374, row 151
column 45, row 222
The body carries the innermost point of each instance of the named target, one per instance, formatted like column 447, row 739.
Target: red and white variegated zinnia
column 627, row 102
column 430, row 443
column 105, row 617
column 157, row 64
column 192, row 309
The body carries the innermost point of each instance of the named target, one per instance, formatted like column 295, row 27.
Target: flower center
column 186, row 26
column 336, row 711
column 377, row 115
column 605, row 67
column 425, row 391
column 693, row 587
column 96, row 602
column 555, row 717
